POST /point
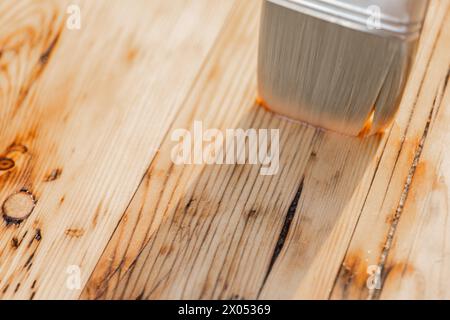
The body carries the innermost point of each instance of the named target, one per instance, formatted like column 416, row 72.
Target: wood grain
column 82, row 115
column 86, row 174
column 418, row 265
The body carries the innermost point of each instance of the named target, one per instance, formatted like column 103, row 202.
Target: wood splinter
column 18, row 207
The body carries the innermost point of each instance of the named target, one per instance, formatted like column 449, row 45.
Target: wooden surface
column 86, row 118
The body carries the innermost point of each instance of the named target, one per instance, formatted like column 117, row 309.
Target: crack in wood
column 284, row 232
column 45, row 56
column 447, row 78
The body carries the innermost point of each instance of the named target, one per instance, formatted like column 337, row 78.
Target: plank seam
column 404, row 135
column 398, row 213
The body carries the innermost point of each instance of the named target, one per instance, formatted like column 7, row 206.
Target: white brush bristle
column 327, row 75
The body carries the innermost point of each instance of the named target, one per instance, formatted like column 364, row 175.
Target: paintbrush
column 339, row 65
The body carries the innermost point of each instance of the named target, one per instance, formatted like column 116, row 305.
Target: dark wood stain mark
column 140, row 296
column 284, row 231
column 23, row 237
column 353, row 272
column 29, row 261
column 38, row 235
column 25, row 189
column 34, row 284
column 97, row 215
column 17, row 147
column 17, row 288
column 6, row 164
column 46, row 55
column 189, row 204
column 15, row 242
column 5, row 288
column 32, row 295
column 447, row 78
column 165, row 250
column 74, row 233
column 252, row 213
column 53, row 175
column 335, row 178
column 31, row 134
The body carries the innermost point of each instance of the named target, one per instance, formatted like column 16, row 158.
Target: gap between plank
column 405, row 133
column 375, row 294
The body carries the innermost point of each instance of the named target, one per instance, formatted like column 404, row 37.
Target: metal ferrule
column 393, row 18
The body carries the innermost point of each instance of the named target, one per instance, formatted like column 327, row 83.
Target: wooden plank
column 82, row 114
column 383, row 208
column 189, row 227
column 418, row 264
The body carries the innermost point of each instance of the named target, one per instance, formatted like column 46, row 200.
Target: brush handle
column 397, row 18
